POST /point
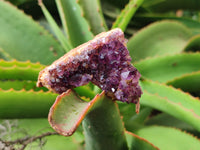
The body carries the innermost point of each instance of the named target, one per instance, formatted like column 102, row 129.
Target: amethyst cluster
column 107, row 65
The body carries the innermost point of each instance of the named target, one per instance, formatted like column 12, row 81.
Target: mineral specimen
column 104, row 61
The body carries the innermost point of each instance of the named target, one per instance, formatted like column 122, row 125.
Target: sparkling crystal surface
column 108, row 66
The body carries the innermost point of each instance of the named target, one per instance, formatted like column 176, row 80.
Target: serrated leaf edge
column 179, row 104
column 18, row 63
column 27, row 91
column 171, row 127
column 143, row 139
column 170, row 86
column 191, row 40
column 183, row 76
column 167, row 55
column 163, row 21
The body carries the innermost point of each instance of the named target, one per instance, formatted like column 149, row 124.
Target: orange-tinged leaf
column 136, row 142
column 68, row 111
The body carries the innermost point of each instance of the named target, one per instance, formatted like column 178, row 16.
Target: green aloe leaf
column 137, row 143
column 193, row 25
column 172, row 101
column 164, row 119
column 23, row 39
column 18, row 73
column 131, row 119
column 20, row 2
column 94, row 15
column 57, row 31
column 22, row 64
column 67, row 112
column 16, row 70
column 164, row 37
column 175, row 139
column 167, row 68
column 19, row 85
column 126, row 14
column 103, row 127
column 75, row 25
column 193, row 44
column 25, row 104
column 4, row 55
column 188, row 83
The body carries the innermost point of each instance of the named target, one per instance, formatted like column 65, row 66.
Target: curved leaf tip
column 68, row 111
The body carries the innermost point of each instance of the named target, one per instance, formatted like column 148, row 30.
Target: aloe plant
column 165, row 52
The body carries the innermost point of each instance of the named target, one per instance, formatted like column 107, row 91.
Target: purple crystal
column 108, row 66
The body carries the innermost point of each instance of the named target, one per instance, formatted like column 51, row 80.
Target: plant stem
column 103, row 127
column 125, row 16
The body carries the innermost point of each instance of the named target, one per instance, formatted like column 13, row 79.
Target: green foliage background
column 163, row 41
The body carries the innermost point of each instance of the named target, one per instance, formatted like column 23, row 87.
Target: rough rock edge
column 99, row 40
